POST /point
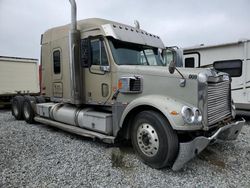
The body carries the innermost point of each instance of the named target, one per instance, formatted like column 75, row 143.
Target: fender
column 165, row 105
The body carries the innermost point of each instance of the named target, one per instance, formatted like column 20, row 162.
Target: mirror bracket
column 182, row 82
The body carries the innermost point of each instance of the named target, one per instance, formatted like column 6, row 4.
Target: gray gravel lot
column 40, row 156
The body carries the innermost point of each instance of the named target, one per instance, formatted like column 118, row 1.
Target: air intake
column 132, row 84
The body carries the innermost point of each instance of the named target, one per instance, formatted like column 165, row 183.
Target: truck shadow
column 213, row 157
column 118, row 152
column 120, row 159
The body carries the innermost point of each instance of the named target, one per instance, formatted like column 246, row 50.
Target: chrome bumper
column 189, row 150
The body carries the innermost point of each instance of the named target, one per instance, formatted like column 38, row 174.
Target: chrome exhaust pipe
column 74, row 61
column 73, row 15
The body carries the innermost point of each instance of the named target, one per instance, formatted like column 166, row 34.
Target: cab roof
column 106, row 28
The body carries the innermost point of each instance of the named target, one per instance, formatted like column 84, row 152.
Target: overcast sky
column 182, row 23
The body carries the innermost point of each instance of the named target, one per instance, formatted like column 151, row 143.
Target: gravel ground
column 40, row 156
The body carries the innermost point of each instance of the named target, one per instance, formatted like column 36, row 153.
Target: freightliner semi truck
column 107, row 80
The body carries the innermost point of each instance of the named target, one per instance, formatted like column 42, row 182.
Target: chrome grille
column 219, row 101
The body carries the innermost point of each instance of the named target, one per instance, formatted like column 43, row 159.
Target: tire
column 40, row 99
column 154, row 140
column 28, row 112
column 17, row 107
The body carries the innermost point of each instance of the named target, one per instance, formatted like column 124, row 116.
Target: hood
column 163, row 71
column 158, row 81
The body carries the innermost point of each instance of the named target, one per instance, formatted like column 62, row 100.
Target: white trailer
column 18, row 76
column 233, row 58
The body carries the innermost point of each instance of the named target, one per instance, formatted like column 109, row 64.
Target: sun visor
column 133, row 35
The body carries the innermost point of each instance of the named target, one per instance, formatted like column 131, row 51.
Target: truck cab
column 108, row 80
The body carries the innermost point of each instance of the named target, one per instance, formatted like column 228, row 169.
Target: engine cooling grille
column 130, row 84
column 135, row 85
column 219, row 101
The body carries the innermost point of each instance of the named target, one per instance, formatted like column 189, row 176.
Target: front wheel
column 154, row 140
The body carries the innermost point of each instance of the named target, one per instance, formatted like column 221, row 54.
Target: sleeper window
column 57, row 62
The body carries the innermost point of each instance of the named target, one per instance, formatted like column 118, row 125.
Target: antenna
column 137, row 24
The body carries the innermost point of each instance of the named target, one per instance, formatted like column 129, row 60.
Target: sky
column 180, row 23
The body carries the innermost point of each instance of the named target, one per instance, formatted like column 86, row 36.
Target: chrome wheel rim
column 26, row 111
column 147, row 139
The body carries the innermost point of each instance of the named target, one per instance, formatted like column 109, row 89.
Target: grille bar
column 218, row 107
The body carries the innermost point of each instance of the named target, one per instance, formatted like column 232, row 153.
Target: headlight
column 187, row 114
column 191, row 115
column 197, row 115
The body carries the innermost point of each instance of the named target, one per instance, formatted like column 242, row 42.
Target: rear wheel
column 17, row 107
column 154, row 140
column 28, row 111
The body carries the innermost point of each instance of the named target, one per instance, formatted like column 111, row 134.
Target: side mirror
column 105, row 68
column 179, row 57
column 173, row 54
column 85, row 54
column 172, row 67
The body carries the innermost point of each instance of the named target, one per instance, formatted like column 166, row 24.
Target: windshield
column 125, row 53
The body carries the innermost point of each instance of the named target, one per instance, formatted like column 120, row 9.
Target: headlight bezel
column 191, row 115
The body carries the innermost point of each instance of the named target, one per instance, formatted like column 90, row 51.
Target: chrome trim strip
column 202, row 99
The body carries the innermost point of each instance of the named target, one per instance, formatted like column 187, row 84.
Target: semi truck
column 18, row 76
column 233, row 58
column 107, row 80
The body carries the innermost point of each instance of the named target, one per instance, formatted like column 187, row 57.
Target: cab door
column 98, row 75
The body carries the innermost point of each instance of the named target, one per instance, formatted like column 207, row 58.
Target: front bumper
column 189, row 150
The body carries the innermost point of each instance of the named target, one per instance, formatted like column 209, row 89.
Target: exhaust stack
column 74, row 61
